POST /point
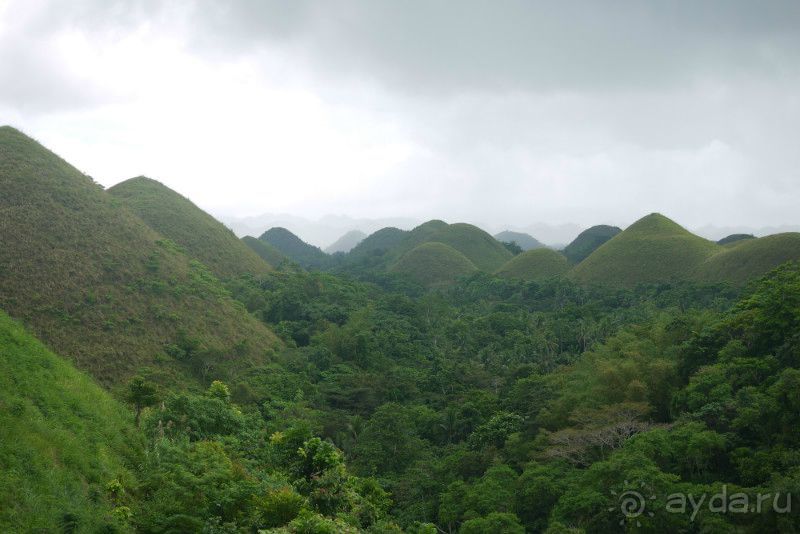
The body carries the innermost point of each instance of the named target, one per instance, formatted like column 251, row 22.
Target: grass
column 588, row 241
column 102, row 288
column 296, row 249
column 63, row 440
column 266, row 251
column 378, row 249
column 198, row 233
column 653, row 249
column 483, row 250
column 734, row 238
column 746, row 259
column 537, row 264
column 433, row 264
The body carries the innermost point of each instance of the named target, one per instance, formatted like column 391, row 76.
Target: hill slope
column 266, row 251
column 483, row 250
column 734, row 238
column 525, row 241
column 588, row 241
column 750, row 258
column 295, row 248
column 433, row 264
column 535, row 264
column 177, row 218
column 63, row 440
column 346, row 242
column 379, row 242
column 653, row 249
column 101, row 287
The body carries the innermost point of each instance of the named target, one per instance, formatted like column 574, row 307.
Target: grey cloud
column 522, row 45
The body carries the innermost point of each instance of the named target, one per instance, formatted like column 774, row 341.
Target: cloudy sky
column 507, row 112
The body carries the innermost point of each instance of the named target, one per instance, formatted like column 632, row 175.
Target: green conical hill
column 177, row 218
column 588, row 241
column 653, row 249
column 296, row 249
column 537, row 264
column 747, row 259
column 266, row 251
column 100, row 287
column 433, row 264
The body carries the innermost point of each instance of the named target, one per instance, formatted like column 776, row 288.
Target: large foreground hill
column 99, row 286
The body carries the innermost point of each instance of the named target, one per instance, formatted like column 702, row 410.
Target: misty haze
column 459, row 267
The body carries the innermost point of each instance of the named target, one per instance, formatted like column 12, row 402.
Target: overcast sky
column 501, row 112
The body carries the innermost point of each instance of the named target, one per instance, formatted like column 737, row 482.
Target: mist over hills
column 346, row 242
column 525, row 241
column 484, row 267
column 322, row 232
column 654, row 249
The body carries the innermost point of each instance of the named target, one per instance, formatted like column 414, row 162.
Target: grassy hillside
column 748, row 259
column 198, row 233
column 480, row 248
column 266, row 251
column 588, row 241
column 378, row 248
column 525, row 241
column 483, row 250
column 433, row 264
column 100, row 287
column 734, row 238
column 535, row 264
column 63, row 440
column 346, row 242
column 653, row 249
column 296, row 249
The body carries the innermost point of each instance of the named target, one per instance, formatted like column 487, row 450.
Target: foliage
column 67, row 449
column 749, row 258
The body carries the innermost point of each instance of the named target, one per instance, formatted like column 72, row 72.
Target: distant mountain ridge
column 321, row 232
